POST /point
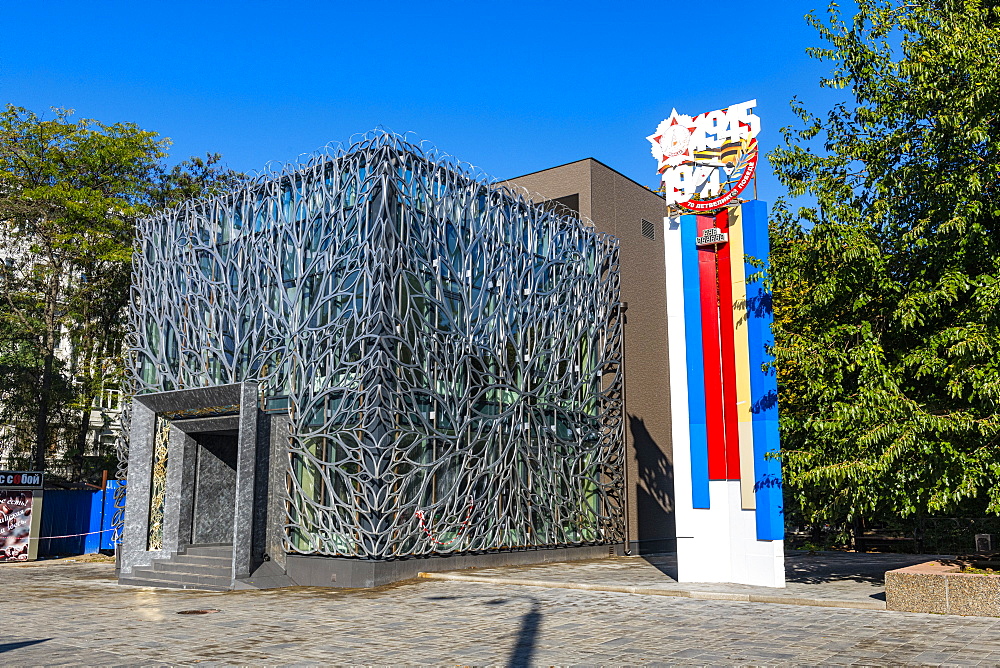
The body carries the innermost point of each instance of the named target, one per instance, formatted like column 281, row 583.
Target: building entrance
column 198, row 488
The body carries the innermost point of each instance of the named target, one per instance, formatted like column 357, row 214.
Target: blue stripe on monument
column 763, row 386
column 695, row 365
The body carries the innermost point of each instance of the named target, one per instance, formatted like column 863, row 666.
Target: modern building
column 633, row 214
column 379, row 363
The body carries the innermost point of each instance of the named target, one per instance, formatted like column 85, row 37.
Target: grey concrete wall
column 617, row 205
column 571, row 179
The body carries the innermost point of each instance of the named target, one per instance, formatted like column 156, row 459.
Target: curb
column 655, row 591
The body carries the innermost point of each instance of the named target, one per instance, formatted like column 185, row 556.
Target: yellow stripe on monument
column 742, row 353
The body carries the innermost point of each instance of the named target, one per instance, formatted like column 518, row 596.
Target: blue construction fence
column 77, row 521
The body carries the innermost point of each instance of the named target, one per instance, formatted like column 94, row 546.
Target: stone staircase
column 207, row 567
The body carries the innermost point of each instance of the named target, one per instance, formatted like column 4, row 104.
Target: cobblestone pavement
column 819, row 576
column 65, row 613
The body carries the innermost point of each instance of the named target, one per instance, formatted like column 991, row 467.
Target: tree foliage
column 887, row 287
column 70, row 192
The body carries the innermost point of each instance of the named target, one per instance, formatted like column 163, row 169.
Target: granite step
column 198, row 560
column 140, row 579
column 210, row 550
column 207, row 567
column 192, row 579
column 221, row 569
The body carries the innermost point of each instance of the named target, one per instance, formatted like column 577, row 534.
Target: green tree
column 887, row 287
column 70, row 193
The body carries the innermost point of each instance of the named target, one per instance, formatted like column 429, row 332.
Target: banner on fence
column 20, row 506
column 15, row 524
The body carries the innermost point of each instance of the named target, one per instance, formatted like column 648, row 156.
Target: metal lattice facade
column 448, row 351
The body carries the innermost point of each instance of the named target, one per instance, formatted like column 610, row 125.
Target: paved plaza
column 832, row 579
column 69, row 613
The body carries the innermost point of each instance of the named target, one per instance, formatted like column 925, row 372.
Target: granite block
column 140, row 463
column 246, row 469
column 941, row 588
column 974, row 594
column 916, row 591
column 198, row 397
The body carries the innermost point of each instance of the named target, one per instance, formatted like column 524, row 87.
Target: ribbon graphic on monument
column 707, row 160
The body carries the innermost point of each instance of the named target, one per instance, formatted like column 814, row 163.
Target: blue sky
column 510, row 87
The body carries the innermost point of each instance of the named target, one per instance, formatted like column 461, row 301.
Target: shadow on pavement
column 665, row 563
column 524, row 646
column 11, row 646
column 821, row 567
column 527, row 635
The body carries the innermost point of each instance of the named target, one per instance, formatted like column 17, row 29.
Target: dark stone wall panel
column 215, row 489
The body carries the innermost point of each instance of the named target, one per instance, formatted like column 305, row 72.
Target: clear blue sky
column 509, row 87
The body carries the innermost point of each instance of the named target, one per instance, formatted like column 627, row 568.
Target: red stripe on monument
column 714, row 417
column 728, row 345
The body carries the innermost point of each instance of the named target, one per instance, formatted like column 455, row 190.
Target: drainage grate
column 206, row 611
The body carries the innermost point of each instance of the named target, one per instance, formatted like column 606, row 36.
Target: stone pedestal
column 941, row 587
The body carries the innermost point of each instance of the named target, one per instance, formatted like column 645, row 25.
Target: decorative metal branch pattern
column 158, row 483
column 448, row 351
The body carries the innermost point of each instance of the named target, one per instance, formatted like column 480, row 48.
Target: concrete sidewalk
column 827, row 579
